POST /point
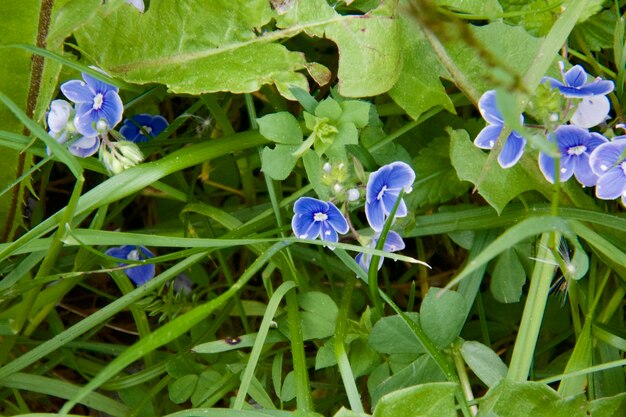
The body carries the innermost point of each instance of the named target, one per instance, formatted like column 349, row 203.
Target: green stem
column 526, row 341
column 463, row 378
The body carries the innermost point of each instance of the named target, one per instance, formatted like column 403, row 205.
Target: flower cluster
column 580, row 104
column 87, row 125
column 314, row 218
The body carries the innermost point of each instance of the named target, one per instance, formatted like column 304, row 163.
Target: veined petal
column 336, row 219
column 393, row 242
column 97, row 85
column 583, row 172
column 611, row 185
column 85, row 146
column 85, row 120
column 130, row 131
column 489, row 109
column 389, row 201
column 400, row 176
column 159, row 123
column 120, row 252
column 595, row 140
column 575, row 77
column 112, row 108
column 304, row 227
column 512, row 150
column 598, row 88
column 328, row 233
column 546, row 165
column 607, row 155
column 375, row 215
column 77, row 91
column 591, row 111
column 487, row 137
column 569, row 137
column 59, row 115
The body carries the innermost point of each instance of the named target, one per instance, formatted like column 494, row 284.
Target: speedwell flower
column 575, row 83
column 315, row 218
column 513, row 146
column 608, row 161
column 393, row 243
column 591, row 111
column 62, row 129
column 383, row 189
column 575, row 146
column 138, row 274
column 137, row 127
column 98, row 105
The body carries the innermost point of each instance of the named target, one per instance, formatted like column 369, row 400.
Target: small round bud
column 327, row 167
column 102, row 126
column 353, row 194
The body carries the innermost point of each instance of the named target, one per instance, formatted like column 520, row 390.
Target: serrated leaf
column 442, row 315
column 498, row 186
column 418, row 87
column 281, row 127
column 484, row 362
column 428, row 400
column 436, row 180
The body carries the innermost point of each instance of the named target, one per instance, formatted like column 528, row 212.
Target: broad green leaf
column 208, row 383
column 279, row 162
column 318, row 316
column 442, row 315
column 418, row 87
column 498, row 186
column 597, row 32
column 313, row 166
column 288, row 391
column 428, row 400
column 508, row 277
column 356, row 112
column 487, row 8
column 484, row 362
column 181, row 389
column 435, row 179
column 523, row 399
column 608, row 407
column 391, row 335
column 281, row 127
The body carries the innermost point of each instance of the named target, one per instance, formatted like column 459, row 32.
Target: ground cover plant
column 312, row 207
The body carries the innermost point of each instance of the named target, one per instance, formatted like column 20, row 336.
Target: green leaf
column 523, row 399
column 328, row 108
column 356, row 112
column 391, row 335
column 487, row 8
column 419, row 86
column 313, row 166
column 344, row 412
column 498, row 186
column 318, row 316
column 508, row 277
column 484, row 362
column 428, row 400
column 281, row 127
column 181, row 389
column 609, row 407
column 288, row 391
column 442, row 315
column 597, row 32
column 435, row 179
column 279, row 162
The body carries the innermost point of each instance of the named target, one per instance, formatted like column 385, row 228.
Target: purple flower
column 575, row 146
column 608, row 161
column 393, row 243
column 98, row 106
column 315, row 218
column 575, row 83
column 383, row 189
column 138, row 274
column 62, row 130
column 513, row 146
column 136, row 128
column 138, row 4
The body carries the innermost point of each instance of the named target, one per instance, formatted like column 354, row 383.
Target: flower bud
column 353, row 194
column 123, row 155
column 59, row 115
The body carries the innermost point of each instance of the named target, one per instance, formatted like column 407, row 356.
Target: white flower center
column 146, row 129
column 577, row 150
column 381, row 192
column 320, row 217
column 97, row 101
column 133, row 255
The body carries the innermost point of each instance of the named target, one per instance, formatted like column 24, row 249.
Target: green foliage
column 432, row 400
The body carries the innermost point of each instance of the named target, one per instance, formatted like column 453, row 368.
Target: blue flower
column 575, row 83
column 138, row 274
column 608, row 161
column 63, row 130
column 138, row 4
column 393, row 243
column 575, row 146
column 98, row 105
column 591, row 111
column 315, row 218
column 383, row 189
column 513, row 146
column 136, row 128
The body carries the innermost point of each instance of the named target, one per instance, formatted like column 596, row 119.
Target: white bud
column 327, row 167
column 353, row 194
column 102, row 126
column 60, row 113
column 337, row 188
column 554, row 117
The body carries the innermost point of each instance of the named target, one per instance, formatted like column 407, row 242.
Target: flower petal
column 159, row 123
column 489, row 109
column 85, row 120
column 130, row 131
column 591, row 111
column 97, row 85
column 59, row 115
column 400, row 176
column 575, row 77
column 487, row 137
column 328, row 233
column 112, row 109
column 512, row 150
column 336, row 219
column 77, row 91
column 583, row 172
column 375, row 215
column 393, row 242
column 85, row 146
column 546, row 165
column 611, row 185
column 598, row 88
column 607, row 155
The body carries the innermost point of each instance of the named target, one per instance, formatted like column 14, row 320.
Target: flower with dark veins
column 608, row 161
column 575, row 146
column 98, row 105
column 575, row 83
column 382, row 192
column 315, row 218
column 137, row 127
column 62, row 129
column 393, row 243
